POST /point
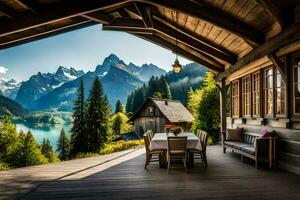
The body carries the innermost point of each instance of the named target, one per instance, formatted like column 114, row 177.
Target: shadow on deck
column 225, row 178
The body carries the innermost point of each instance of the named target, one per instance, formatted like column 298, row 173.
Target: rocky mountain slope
column 43, row 83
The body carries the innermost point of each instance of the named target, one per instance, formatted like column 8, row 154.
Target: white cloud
column 3, row 70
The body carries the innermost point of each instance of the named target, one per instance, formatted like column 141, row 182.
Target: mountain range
column 43, row 83
column 9, row 88
column 58, row 90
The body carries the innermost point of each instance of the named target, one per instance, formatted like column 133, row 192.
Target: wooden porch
column 122, row 176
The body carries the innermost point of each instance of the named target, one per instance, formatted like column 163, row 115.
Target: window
column 280, row 94
column 150, row 111
column 268, row 91
column 235, row 98
column 296, row 86
column 246, row 98
column 255, row 94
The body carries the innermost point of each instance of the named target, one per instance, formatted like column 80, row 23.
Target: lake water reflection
column 49, row 132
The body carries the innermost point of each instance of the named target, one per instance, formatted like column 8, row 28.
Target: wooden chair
column 151, row 155
column 177, row 150
column 198, row 134
column 151, row 134
column 201, row 153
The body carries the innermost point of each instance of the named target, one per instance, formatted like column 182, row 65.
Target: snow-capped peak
column 9, row 87
column 68, row 73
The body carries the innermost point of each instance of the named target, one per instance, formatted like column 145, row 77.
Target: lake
column 49, row 132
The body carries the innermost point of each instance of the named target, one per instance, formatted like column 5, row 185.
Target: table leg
column 163, row 160
column 191, row 159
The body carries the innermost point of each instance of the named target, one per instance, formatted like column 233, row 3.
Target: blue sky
column 81, row 49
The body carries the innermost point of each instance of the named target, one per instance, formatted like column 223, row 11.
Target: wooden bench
column 253, row 147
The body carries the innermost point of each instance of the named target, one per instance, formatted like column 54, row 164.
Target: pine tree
column 165, row 89
column 98, row 113
column 189, row 97
column 129, row 103
column 79, row 140
column 119, row 107
column 152, row 87
column 138, row 100
column 208, row 100
column 63, row 146
column 28, row 152
column 117, row 125
column 47, row 151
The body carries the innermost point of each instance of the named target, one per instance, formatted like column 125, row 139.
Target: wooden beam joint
column 279, row 66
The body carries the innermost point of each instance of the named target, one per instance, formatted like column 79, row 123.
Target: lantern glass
column 176, row 66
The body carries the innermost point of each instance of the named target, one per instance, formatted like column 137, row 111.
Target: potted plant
column 176, row 130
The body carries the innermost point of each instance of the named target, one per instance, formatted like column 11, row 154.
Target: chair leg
column 205, row 161
column 256, row 164
column 169, row 161
column 147, row 161
column 184, row 164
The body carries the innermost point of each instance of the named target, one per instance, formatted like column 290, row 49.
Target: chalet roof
column 173, row 110
column 221, row 35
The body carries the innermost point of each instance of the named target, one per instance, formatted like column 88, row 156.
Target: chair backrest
column 198, row 133
column 203, row 139
column 147, row 142
column 151, row 134
column 177, row 143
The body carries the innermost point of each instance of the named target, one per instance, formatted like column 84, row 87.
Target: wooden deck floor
column 123, row 177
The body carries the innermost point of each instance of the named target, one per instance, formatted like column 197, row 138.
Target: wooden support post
column 223, row 92
column 270, row 153
column 278, row 65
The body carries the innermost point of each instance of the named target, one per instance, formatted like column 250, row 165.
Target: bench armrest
column 266, row 145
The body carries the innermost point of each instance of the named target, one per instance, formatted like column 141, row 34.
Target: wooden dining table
column 160, row 142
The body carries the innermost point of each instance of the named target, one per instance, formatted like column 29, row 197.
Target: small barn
column 155, row 114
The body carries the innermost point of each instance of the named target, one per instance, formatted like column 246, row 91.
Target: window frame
column 246, row 96
column 283, row 89
column 254, row 95
column 235, row 85
column 271, row 115
column 295, row 60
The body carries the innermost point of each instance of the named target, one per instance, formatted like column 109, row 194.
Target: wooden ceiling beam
column 123, row 13
column 165, row 44
column 125, row 23
column 31, row 5
column 21, row 38
column 192, row 42
column 209, row 44
column 140, row 29
column 284, row 38
column 215, row 16
column 284, row 18
column 50, row 14
column 195, row 36
column 128, row 29
column 99, row 17
column 8, row 11
column 145, row 12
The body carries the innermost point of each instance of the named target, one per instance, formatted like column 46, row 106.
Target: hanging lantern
column 176, row 66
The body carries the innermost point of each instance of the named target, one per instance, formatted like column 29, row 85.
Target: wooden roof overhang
column 222, row 35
